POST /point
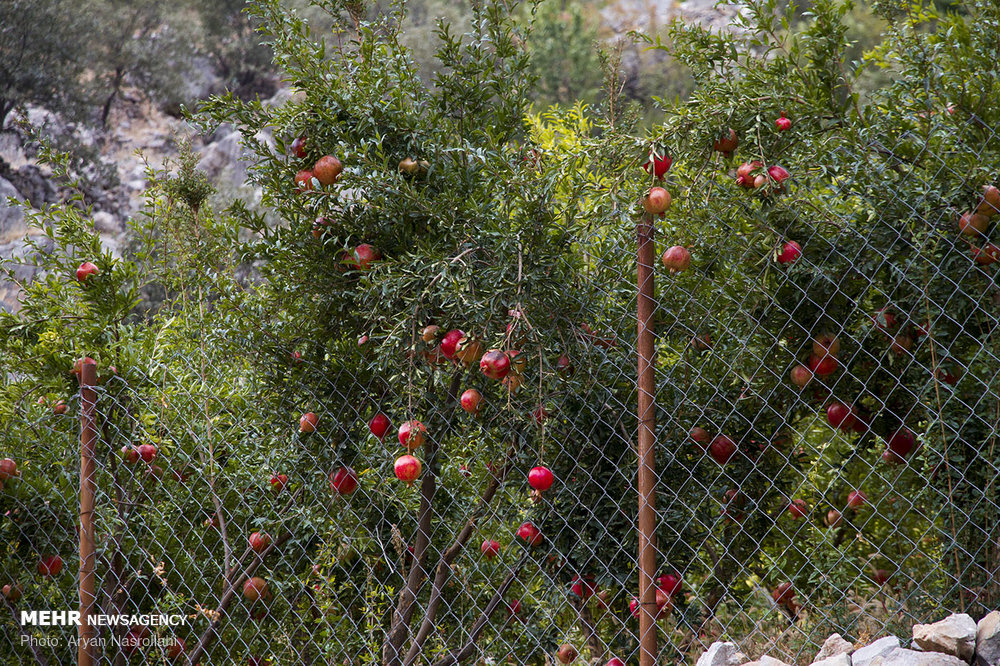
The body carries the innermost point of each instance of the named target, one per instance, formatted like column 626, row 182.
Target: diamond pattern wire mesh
column 231, row 460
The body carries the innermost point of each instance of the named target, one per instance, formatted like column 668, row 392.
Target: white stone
column 866, row 655
column 842, row 659
column 770, row 661
column 904, row 657
column 988, row 640
column 722, row 654
column 955, row 635
column 833, row 646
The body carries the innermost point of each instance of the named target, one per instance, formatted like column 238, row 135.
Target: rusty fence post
column 87, row 650
column 646, row 477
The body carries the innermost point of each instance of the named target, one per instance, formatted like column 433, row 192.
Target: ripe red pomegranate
column 298, row 147
column 659, row 163
column 790, row 252
column 677, row 259
column 856, row 499
column 411, row 435
column 700, row 436
column 327, row 170
column 826, row 344
column 901, row 345
column 60, row 407
column 902, row 442
column 633, row 606
column 379, row 425
column 147, row 452
column 656, row 201
column 8, row 469
column 839, row 415
column 407, row 469
column 278, row 482
column 308, row 422
column 495, row 364
column 798, row 508
column 726, row 143
column 530, row 534
column 465, row 471
column 11, row 592
column 990, row 203
column 514, row 608
column 722, row 449
column 881, row 576
column 490, row 548
column 822, row 367
column 778, row 174
column 890, row 457
column 539, row 414
column 885, row 319
column 583, row 586
column 783, row 124
column 566, row 653
column 783, row 593
column 800, row 375
column 541, row 478
column 85, row 270
column 663, row 604
column 564, row 366
column 615, row 661
column 255, row 589
column 986, row 255
column 259, row 541
column 343, row 480
column 50, row 566
column 365, row 255
column 449, row 343
column 973, row 224
column 670, row 583
column 471, row 401
column 130, row 454
column 303, row 180
column 176, row 648
column 833, row 518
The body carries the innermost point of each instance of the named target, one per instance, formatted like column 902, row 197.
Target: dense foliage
column 461, row 207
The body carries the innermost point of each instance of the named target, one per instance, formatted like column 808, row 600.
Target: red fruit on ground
column 343, row 480
column 541, row 478
column 379, row 425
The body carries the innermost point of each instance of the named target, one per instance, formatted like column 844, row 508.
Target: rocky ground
column 142, row 136
column 956, row 640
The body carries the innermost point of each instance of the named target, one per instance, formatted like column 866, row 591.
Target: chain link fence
column 446, row 491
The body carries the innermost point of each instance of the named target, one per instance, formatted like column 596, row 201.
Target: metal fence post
column 87, row 651
column 646, row 476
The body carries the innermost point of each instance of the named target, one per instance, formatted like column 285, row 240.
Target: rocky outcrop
column 833, row 646
column 955, row 635
column 988, row 641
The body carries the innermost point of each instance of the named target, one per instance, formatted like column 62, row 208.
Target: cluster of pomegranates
column 976, row 222
column 668, row 587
